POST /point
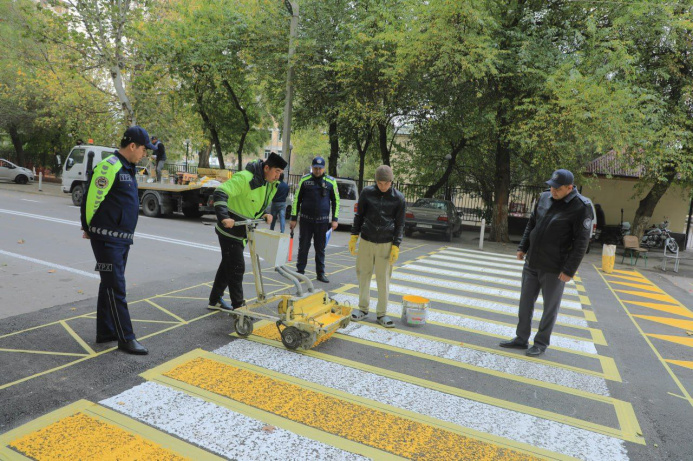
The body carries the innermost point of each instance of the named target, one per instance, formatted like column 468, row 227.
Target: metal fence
column 467, row 200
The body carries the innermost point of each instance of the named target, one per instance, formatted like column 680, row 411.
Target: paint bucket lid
column 415, row 299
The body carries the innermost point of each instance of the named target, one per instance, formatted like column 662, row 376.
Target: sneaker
column 222, row 305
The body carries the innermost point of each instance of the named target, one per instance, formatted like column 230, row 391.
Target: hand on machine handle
column 352, row 245
column 268, row 218
column 228, row 223
column 394, row 254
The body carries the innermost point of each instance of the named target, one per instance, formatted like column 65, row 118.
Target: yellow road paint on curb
column 682, row 363
column 77, row 338
column 685, row 341
column 584, row 300
column 657, row 297
column 639, row 280
column 676, row 323
column 664, row 363
column 676, row 310
column 640, row 286
column 624, row 411
column 85, row 430
column 305, row 403
column 634, row 274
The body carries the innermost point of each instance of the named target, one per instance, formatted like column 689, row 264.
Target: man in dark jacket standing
column 315, row 194
column 554, row 242
column 160, row 153
column 379, row 222
column 109, row 215
column 278, row 209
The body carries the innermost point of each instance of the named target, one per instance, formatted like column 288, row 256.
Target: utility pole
column 292, row 6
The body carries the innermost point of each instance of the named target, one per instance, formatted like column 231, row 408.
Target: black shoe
column 301, row 272
column 514, row 344
column 323, row 279
column 535, row 351
column 221, row 305
column 106, row 339
column 132, row 346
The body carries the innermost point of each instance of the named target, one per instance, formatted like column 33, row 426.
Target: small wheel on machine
column 244, row 326
column 292, row 338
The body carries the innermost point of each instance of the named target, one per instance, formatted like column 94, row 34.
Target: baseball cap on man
column 138, row 135
column 318, row 162
column 560, row 178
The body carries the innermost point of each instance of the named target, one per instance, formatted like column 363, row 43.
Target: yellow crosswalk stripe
column 308, row 404
column 640, row 286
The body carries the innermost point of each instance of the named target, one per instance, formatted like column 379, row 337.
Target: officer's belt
column 110, row 233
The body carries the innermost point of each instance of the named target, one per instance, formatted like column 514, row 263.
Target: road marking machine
column 305, row 319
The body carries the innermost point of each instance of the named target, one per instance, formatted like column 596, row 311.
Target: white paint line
column 505, row 261
column 471, row 276
column 512, row 425
column 482, row 290
column 27, row 200
column 49, row 264
column 138, row 235
column 215, row 428
column 473, row 324
column 486, row 253
column 482, row 265
column 487, row 360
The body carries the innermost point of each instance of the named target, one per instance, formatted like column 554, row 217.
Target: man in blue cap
column 109, row 215
column 554, row 243
column 315, row 194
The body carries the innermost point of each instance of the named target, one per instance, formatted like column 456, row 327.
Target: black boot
column 132, row 346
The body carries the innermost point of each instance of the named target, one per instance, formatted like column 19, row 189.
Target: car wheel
column 78, row 195
column 21, row 179
column 150, row 206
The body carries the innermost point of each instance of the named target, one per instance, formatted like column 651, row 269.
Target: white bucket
column 414, row 310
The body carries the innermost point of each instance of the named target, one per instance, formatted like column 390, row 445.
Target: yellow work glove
column 352, row 244
column 394, row 254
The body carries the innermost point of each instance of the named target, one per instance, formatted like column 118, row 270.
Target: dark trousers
column 112, row 314
column 551, row 289
column 230, row 272
column 316, row 232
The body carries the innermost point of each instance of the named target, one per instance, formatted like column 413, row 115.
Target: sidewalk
column 48, row 188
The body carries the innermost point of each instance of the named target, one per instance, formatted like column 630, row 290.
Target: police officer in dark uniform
column 555, row 241
column 315, row 193
column 109, row 217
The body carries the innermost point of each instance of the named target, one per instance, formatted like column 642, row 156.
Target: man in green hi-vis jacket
column 245, row 196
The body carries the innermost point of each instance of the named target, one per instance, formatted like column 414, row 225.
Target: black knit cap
column 275, row 161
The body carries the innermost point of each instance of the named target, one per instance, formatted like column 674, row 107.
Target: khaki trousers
column 372, row 255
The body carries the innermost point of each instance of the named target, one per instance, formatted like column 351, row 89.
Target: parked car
column 11, row 172
column 429, row 215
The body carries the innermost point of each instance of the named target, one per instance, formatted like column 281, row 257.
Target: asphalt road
column 615, row 384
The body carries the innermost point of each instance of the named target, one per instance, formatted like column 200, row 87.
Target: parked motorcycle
column 657, row 236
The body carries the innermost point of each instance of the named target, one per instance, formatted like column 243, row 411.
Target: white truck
column 156, row 199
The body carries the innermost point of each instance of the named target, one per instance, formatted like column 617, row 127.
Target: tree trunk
column 648, row 204
column 363, row 150
column 445, row 178
column 210, row 126
column 203, row 161
column 246, row 122
column 382, row 142
column 18, row 145
column 334, row 148
column 125, row 104
column 499, row 221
